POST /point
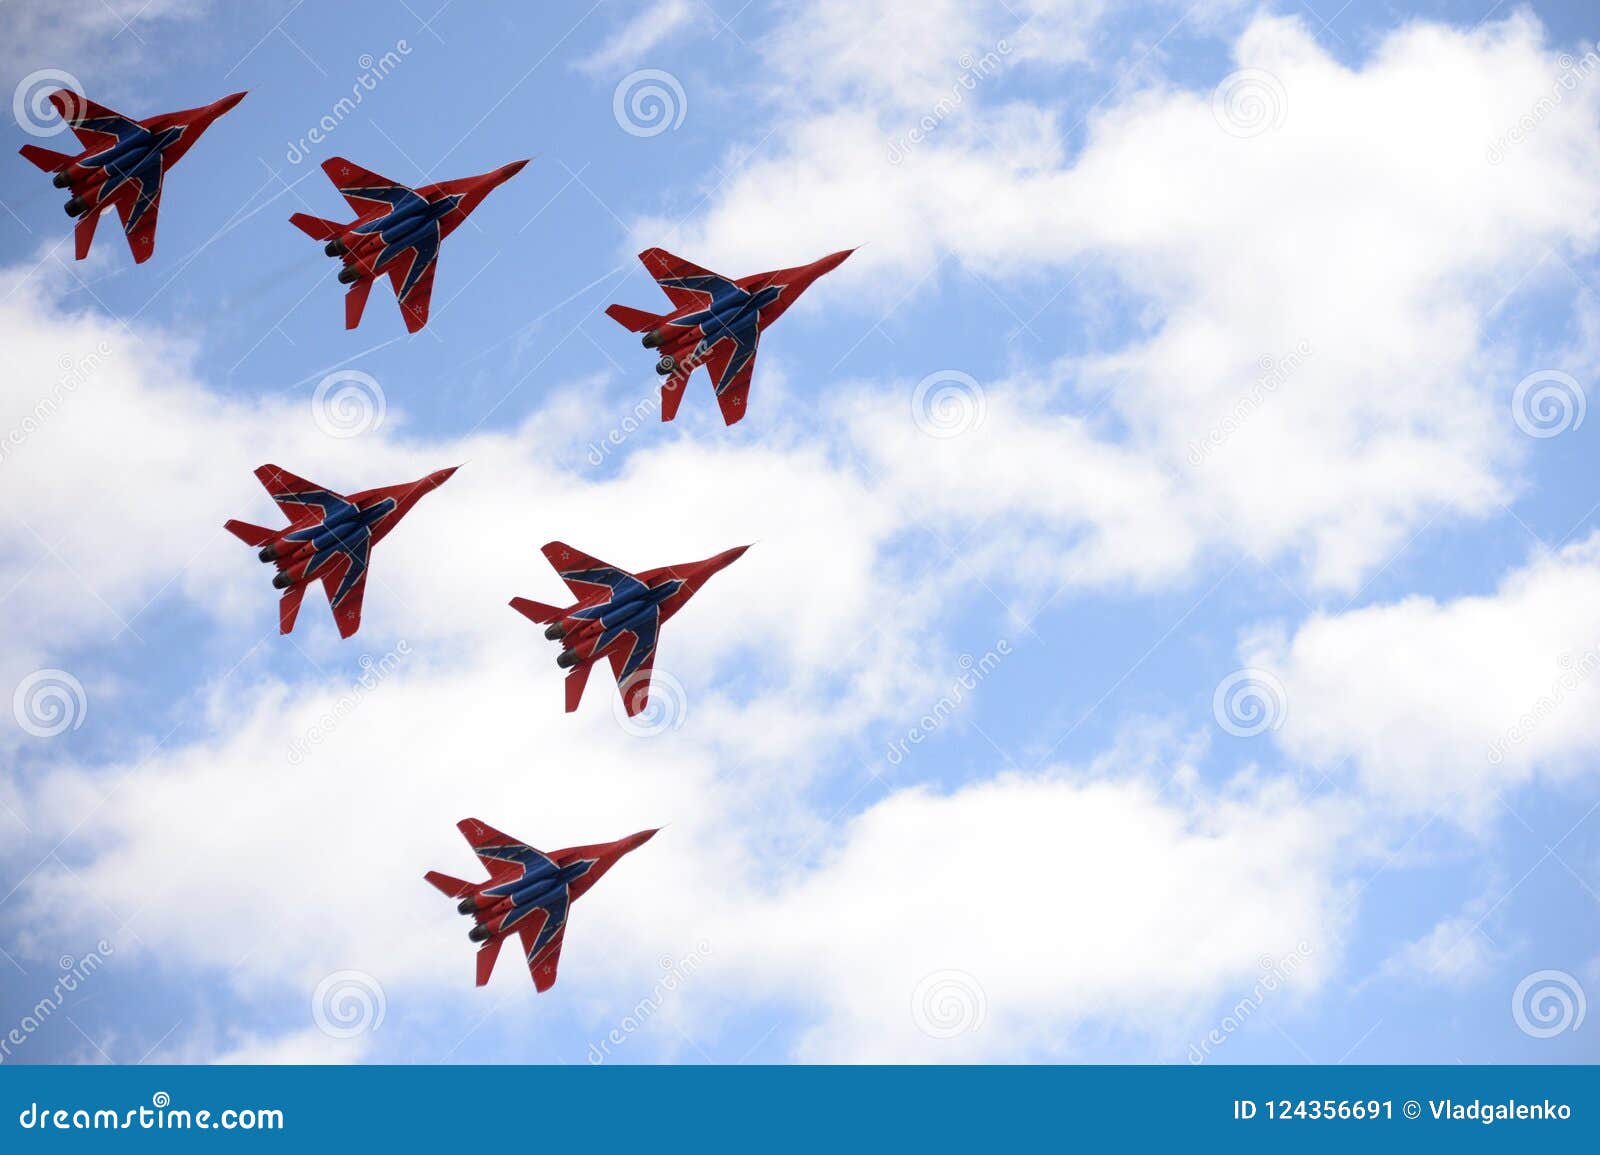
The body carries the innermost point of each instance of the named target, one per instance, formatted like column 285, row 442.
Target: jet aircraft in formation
column 397, row 231
column 716, row 322
column 329, row 536
column 618, row 616
column 123, row 164
column 528, row 892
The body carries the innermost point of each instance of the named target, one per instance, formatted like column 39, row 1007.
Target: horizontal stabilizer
column 536, row 611
column 452, row 887
column 83, row 233
column 315, row 227
column 355, row 302
column 289, row 607
column 575, row 683
column 249, row 534
column 487, row 953
column 634, row 320
column 44, row 158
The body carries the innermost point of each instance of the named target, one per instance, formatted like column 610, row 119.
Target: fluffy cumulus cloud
column 1440, row 705
column 801, row 905
column 1309, row 379
column 1317, row 249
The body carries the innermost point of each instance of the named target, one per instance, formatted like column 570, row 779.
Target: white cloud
column 651, row 26
column 1440, row 705
column 1368, row 229
column 1454, row 953
column 68, row 36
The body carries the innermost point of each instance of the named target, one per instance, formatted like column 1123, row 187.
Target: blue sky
column 1338, row 240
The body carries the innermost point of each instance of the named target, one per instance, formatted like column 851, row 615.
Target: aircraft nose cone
column 227, row 103
column 435, row 480
column 833, row 260
column 513, row 169
column 633, row 842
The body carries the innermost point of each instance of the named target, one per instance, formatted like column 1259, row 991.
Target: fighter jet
column 717, row 323
column 528, row 892
column 397, row 231
column 330, row 537
column 617, row 616
column 123, row 164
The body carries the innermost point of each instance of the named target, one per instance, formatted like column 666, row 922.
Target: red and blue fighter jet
column 123, row 164
column 717, row 323
column 397, row 231
column 329, row 536
column 528, row 892
column 617, row 616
